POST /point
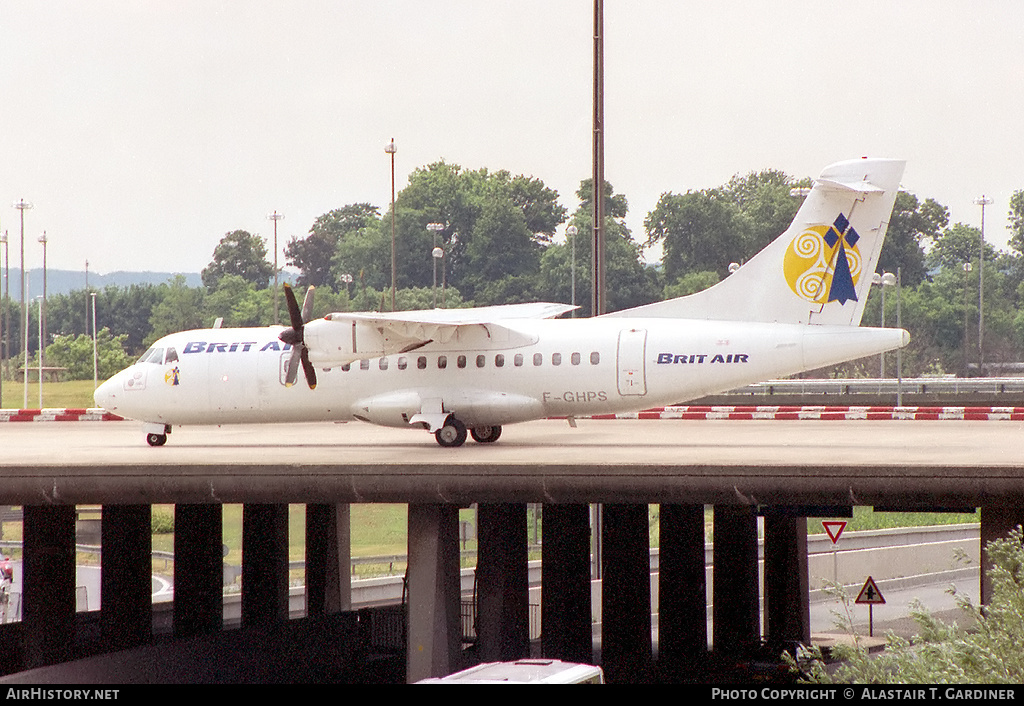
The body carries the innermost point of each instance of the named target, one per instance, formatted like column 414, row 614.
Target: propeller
column 293, row 337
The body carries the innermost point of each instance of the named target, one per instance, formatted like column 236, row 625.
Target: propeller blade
column 293, row 307
column 292, row 372
column 307, row 305
column 307, row 368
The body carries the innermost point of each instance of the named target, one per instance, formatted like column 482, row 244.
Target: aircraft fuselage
column 542, row 368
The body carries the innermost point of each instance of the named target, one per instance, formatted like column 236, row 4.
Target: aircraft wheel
column 452, row 434
column 486, row 435
column 156, row 439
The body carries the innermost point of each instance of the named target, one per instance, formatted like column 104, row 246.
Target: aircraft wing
column 379, row 334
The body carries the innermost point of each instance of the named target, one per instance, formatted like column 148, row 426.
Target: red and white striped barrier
column 824, row 412
column 60, row 414
column 1006, row 414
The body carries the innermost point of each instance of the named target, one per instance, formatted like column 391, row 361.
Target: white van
column 524, row 671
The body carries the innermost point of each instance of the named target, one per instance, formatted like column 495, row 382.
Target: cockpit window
column 153, row 355
column 172, row 356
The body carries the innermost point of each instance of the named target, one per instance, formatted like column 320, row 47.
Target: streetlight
column 22, row 205
column 95, row 353
column 42, row 308
column 885, row 280
column 967, row 276
column 436, row 252
column 570, row 234
column 347, row 279
column 275, row 217
column 40, row 323
column 982, row 201
column 391, row 149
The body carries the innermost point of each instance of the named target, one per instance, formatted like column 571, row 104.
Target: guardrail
column 885, row 386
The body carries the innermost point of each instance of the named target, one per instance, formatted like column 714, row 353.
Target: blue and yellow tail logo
column 823, row 263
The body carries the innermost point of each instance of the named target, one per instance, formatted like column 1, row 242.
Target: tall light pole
column 42, row 308
column 570, row 233
column 967, row 355
column 391, row 149
column 95, row 352
column 886, row 280
column 982, row 201
column 598, row 243
column 22, row 205
column 40, row 324
column 275, row 217
column 436, row 253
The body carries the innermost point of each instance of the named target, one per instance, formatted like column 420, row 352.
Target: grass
column 76, row 394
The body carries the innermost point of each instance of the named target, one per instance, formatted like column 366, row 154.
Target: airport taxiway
column 920, row 463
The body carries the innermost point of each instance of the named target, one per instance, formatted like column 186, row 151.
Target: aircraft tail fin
column 819, row 270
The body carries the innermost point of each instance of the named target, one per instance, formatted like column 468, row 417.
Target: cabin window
column 499, row 361
column 556, row 358
column 595, row 358
column 518, row 360
column 172, row 356
column 346, row 367
column 461, row 361
column 538, row 359
column 481, row 361
column 403, row 362
column 575, row 359
column 383, row 363
column 442, row 362
column 421, row 362
column 364, row 364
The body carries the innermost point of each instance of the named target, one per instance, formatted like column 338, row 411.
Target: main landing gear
column 454, row 433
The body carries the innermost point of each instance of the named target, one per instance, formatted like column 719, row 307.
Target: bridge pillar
column 126, row 568
column 264, row 563
column 787, row 604
column 198, row 569
column 503, row 592
column 735, row 611
column 435, row 636
column 566, row 620
column 328, row 559
column 682, row 585
column 48, row 584
column 996, row 523
column 626, row 652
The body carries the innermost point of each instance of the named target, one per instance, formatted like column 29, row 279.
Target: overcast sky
column 142, row 132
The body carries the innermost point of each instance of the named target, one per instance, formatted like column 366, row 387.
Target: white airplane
column 795, row 306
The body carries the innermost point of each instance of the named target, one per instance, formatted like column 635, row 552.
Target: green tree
column 987, row 653
column 76, row 354
column 180, row 309
column 314, row 254
column 1016, row 221
column 239, row 253
column 628, row 282
column 699, row 231
column 239, row 303
column 913, row 225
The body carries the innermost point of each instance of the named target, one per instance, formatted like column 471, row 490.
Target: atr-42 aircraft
column 795, row 306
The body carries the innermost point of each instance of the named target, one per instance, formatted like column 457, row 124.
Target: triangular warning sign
column 834, row 528
column 870, row 594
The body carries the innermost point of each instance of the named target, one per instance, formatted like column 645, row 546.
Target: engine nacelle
column 340, row 340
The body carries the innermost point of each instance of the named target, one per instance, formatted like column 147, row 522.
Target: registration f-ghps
column 795, row 306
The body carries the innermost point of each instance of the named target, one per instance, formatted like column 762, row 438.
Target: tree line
column 496, row 234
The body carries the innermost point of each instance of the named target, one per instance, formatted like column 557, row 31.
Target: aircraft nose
column 106, row 395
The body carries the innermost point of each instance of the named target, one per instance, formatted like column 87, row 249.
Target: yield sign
column 870, row 594
column 834, row 528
